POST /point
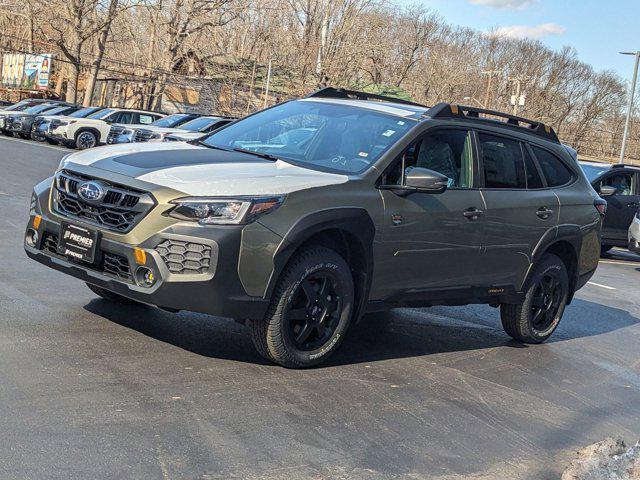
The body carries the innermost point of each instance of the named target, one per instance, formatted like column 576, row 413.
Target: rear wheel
column 51, row 141
column 86, row 139
column 310, row 310
column 535, row 319
column 111, row 296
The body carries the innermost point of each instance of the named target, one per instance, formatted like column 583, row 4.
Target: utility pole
column 517, row 100
column 627, row 122
column 490, row 74
column 266, row 89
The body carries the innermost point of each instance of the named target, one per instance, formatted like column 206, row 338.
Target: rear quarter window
column 554, row 170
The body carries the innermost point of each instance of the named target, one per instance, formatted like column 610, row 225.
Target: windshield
column 17, row 106
column 333, row 137
column 57, row 110
column 593, row 171
column 198, row 124
column 38, row 108
column 84, row 112
column 102, row 113
column 171, row 120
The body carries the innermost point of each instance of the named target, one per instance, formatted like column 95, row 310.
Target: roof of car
column 390, row 108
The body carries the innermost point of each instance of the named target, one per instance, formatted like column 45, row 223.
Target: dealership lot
column 92, row 390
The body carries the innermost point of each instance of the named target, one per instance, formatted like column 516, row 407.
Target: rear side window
column 503, row 162
column 552, row 167
column 145, row 119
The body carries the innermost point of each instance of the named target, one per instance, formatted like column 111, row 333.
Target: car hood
column 201, row 171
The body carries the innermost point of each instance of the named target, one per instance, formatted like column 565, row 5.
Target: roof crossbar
column 447, row 110
column 331, row 92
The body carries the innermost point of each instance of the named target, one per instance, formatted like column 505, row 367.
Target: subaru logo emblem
column 91, row 191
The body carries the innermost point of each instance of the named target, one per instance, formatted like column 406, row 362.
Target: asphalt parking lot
column 93, row 390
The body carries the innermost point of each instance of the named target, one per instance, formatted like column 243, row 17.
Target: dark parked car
column 298, row 219
column 619, row 185
column 21, row 124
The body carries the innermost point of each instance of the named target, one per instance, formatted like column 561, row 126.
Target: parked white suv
column 83, row 133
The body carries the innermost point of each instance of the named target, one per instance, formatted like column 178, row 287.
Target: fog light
column 145, row 277
column 31, row 238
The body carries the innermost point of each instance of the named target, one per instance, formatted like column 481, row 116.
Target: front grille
column 120, row 209
column 185, row 257
column 114, row 132
column 110, row 264
column 142, row 135
column 117, row 266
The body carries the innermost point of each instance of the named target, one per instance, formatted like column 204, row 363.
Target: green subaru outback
column 301, row 218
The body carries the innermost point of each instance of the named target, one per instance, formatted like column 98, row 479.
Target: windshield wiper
column 257, row 154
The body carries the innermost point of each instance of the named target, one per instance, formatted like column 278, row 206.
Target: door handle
column 544, row 213
column 473, row 213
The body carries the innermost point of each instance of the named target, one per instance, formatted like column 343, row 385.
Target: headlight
column 207, row 210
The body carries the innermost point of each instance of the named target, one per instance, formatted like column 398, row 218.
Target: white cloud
column 505, row 3
column 524, row 31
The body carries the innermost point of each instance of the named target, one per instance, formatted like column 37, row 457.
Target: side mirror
column 606, row 190
column 425, row 180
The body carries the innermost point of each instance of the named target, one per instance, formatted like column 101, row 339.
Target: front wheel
column 535, row 319
column 86, row 139
column 310, row 310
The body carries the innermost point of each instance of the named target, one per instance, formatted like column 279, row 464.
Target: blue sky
column 597, row 29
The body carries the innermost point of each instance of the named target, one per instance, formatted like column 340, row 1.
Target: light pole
column 630, row 107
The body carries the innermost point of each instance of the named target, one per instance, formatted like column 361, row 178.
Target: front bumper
column 215, row 288
column 634, row 234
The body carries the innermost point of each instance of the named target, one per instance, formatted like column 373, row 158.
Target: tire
column 86, row 139
column 536, row 318
column 310, row 310
column 111, row 296
column 50, row 141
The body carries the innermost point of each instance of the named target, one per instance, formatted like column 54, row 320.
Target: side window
column 552, row 167
column 623, row 182
column 444, row 151
column 533, row 177
column 126, row 117
column 502, row 161
column 145, row 119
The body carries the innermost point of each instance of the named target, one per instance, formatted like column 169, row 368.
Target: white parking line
column 601, row 286
column 620, row 262
column 35, row 144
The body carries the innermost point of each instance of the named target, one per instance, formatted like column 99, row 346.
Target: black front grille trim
column 109, row 263
column 120, row 209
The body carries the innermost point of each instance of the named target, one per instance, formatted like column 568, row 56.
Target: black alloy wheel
column 314, row 314
column 546, row 301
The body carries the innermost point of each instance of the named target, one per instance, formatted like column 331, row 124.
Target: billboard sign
column 26, row 71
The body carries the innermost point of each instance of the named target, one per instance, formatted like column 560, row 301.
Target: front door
column 432, row 241
column 621, row 206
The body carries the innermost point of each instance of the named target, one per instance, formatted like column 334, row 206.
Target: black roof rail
column 448, row 110
column 331, row 92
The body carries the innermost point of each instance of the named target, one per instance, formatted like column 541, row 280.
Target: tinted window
column 122, row 117
column 502, row 162
column 552, row 167
column 444, row 151
column 102, row 113
column 341, row 138
column 533, row 177
column 622, row 182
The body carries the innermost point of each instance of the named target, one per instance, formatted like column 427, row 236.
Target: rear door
column 622, row 206
column 520, row 209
